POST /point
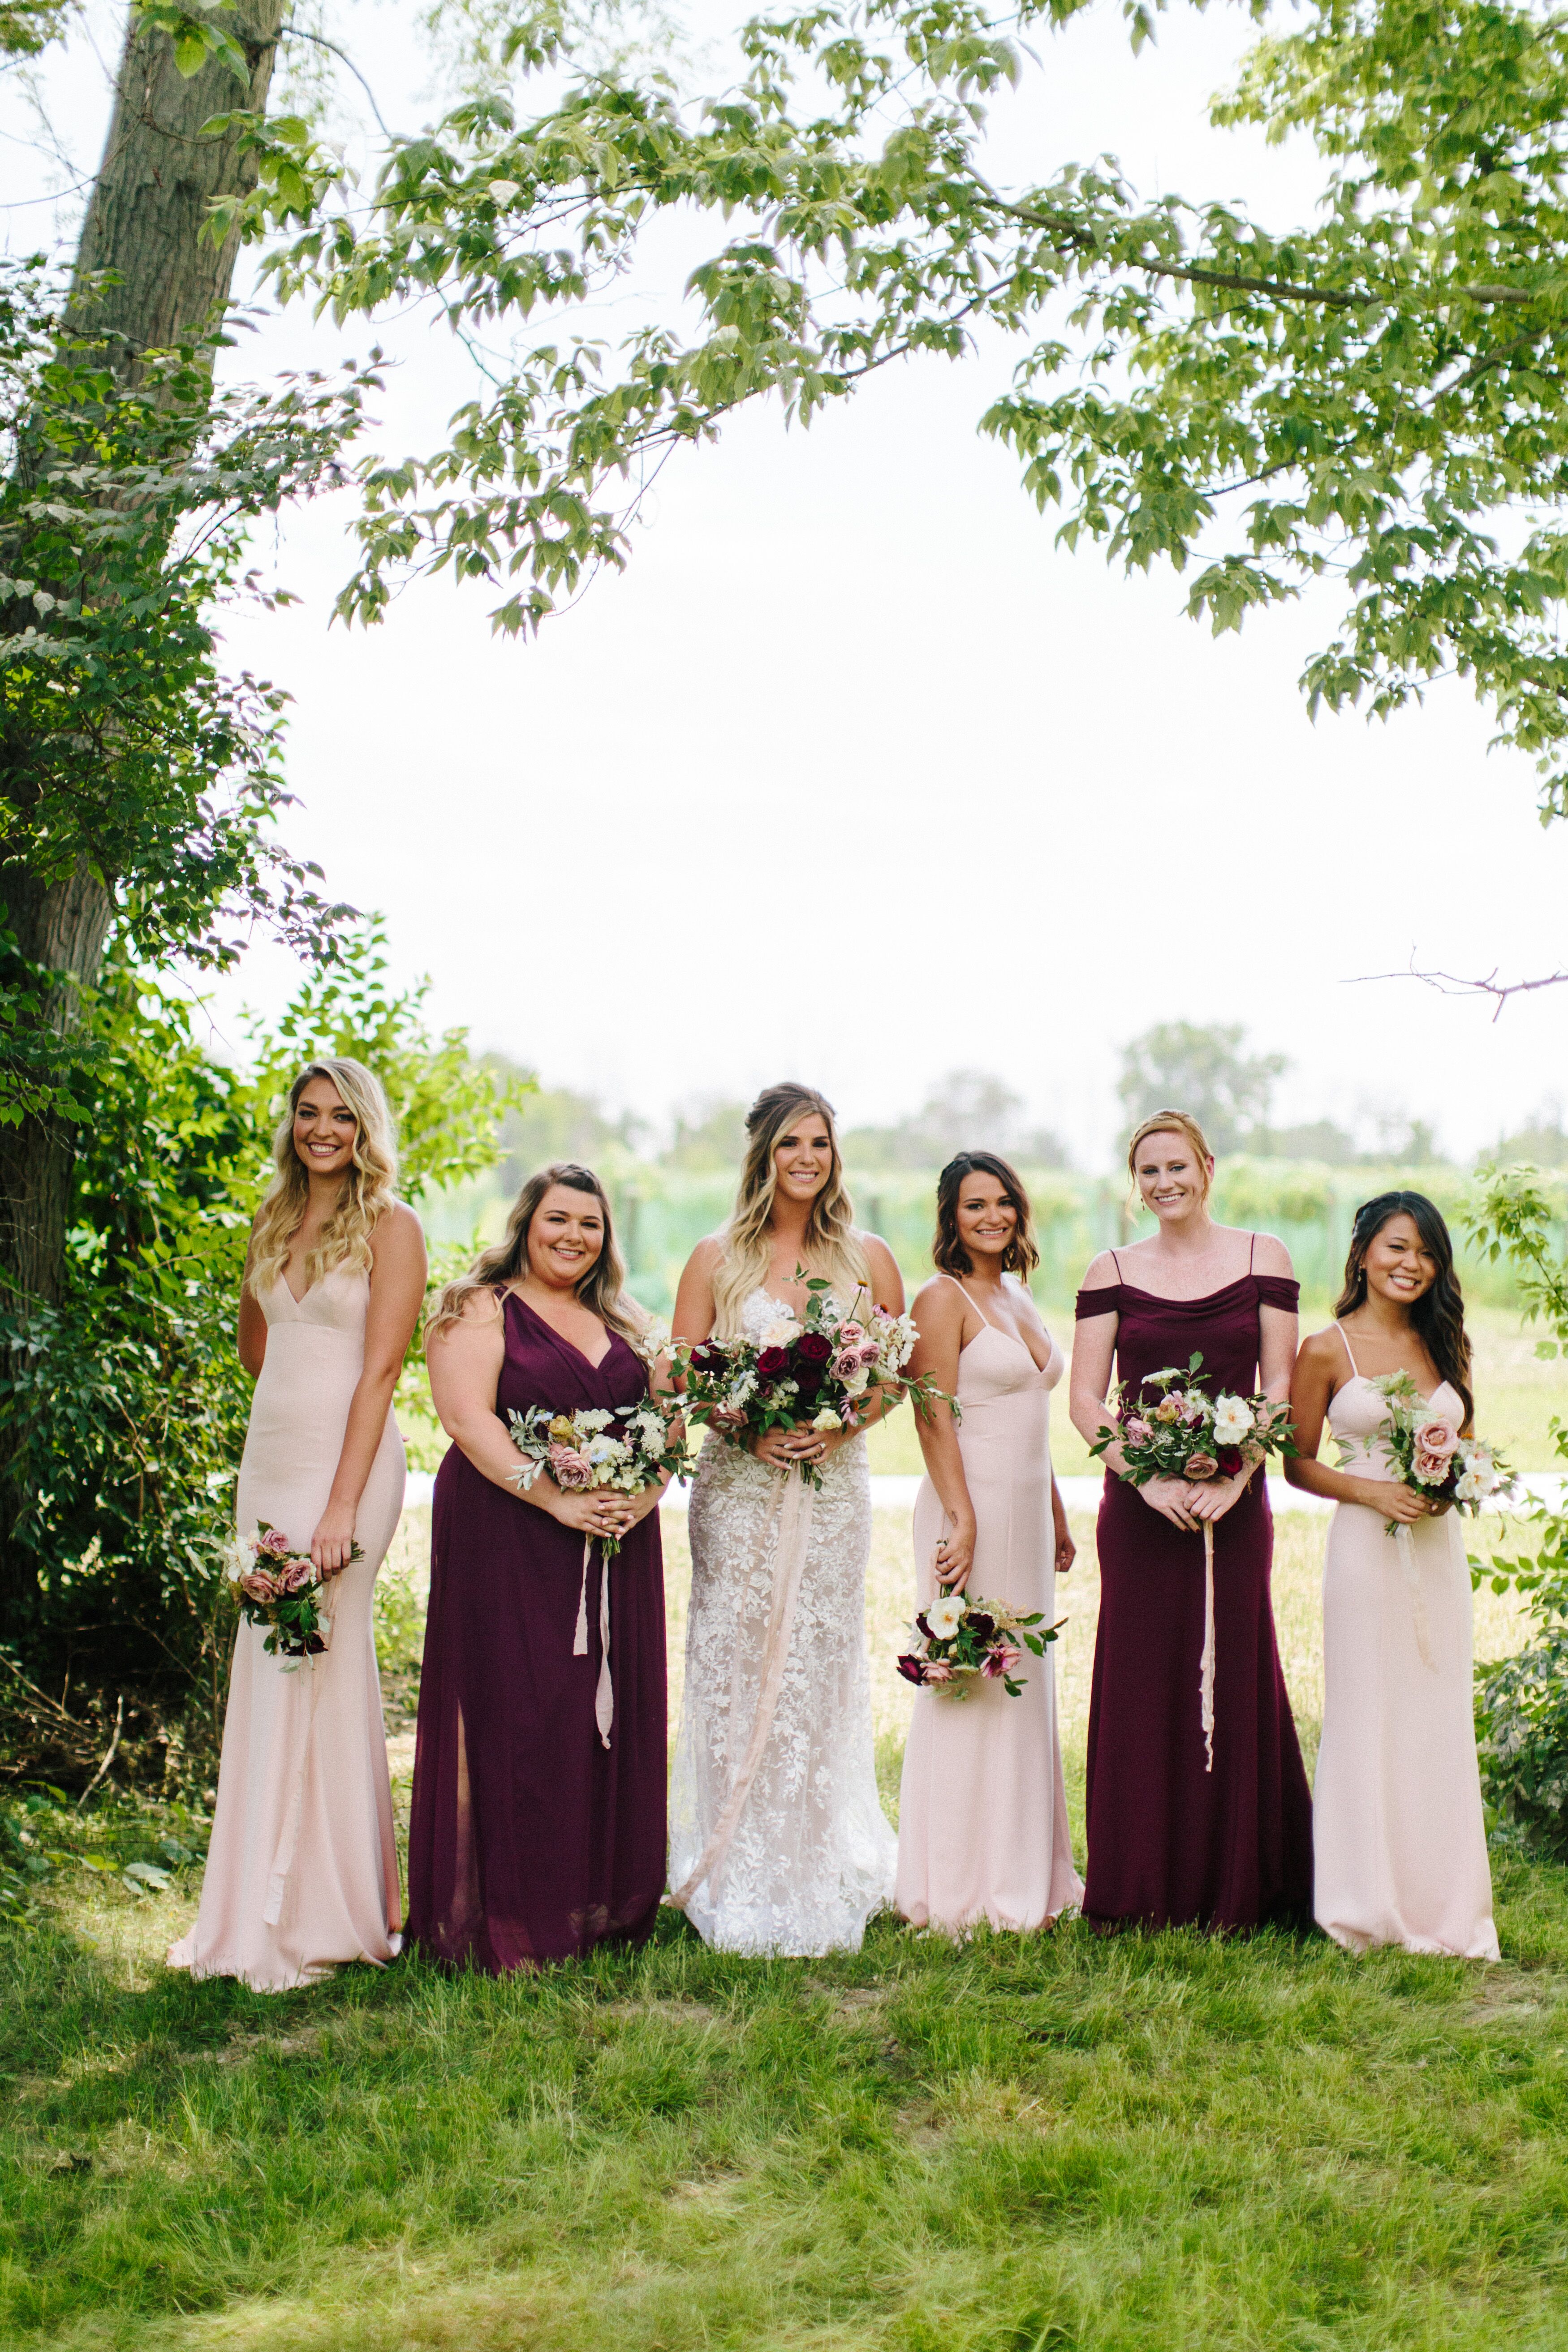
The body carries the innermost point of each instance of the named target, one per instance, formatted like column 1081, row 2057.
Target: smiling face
column 324, row 1130
column 565, row 1236
column 1399, row 1266
column 987, row 1220
column 803, row 1158
column 1172, row 1178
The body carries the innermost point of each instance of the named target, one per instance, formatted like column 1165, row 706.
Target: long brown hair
column 832, row 1246
column 369, row 1190
column 1438, row 1317
column 1022, row 1254
column 601, row 1289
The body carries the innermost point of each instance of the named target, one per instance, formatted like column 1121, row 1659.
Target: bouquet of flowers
column 815, row 1371
column 1172, row 1429
column 958, row 1639
column 629, row 1449
column 1427, row 1453
column 277, row 1588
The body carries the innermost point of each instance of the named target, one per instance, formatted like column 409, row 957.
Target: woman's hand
column 1395, row 1501
column 1212, row 1499
column 599, row 1512
column 641, row 1503
column 955, row 1555
column 786, row 1449
column 1066, row 1549
column 1172, row 1498
column 332, row 1542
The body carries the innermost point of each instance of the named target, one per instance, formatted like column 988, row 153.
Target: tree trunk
column 144, row 224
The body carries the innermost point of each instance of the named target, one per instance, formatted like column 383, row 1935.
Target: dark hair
column 1438, row 1317
column 948, row 1252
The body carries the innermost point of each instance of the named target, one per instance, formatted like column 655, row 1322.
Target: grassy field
column 1024, row 2143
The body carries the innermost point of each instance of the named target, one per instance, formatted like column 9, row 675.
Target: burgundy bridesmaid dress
column 531, row 1841
column 1171, row 1845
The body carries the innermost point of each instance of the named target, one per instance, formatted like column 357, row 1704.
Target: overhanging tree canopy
column 1376, row 398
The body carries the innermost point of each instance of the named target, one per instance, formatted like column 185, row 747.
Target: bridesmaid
column 302, row 1867
column 531, row 1839
column 1397, row 1823
column 983, row 1820
column 1171, row 1843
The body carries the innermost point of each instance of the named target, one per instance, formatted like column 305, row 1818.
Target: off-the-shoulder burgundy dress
column 529, row 1841
column 1169, row 1842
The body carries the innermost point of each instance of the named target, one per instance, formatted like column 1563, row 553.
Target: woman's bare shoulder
column 1269, row 1255
column 1103, row 1273
column 706, row 1256
column 1322, row 1347
column 937, row 1301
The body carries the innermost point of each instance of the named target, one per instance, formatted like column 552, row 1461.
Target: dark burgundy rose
column 980, row 1625
column 773, row 1363
column 709, row 1359
column 808, row 1380
column 813, row 1348
column 1229, row 1459
column 911, row 1670
column 922, row 1627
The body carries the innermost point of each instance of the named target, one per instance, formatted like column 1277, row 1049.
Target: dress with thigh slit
column 531, row 1840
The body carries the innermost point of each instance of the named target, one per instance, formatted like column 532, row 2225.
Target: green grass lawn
column 1026, row 2143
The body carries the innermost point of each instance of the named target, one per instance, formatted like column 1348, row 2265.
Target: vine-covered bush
column 1521, row 1705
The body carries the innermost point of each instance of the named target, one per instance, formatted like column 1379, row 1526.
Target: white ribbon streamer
column 791, row 1515
column 604, row 1689
column 302, row 1709
column 1404, row 1536
column 1205, row 1663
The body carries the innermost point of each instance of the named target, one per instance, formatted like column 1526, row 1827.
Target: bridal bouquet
column 277, row 1588
column 958, row 1639
column 1427, row 1453
column 629, row 1449
column 1180, row 1432
column 815, row 1371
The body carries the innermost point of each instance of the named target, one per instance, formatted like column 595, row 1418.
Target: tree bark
column 144, row 226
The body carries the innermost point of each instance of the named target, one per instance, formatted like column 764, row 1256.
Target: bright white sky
column 853, row 777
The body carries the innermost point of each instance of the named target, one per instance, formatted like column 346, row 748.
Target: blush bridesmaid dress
column 531, row 1840
column 1169, row 1843
column 1401, row 1839
column 983, row 1816
column 302, row 1866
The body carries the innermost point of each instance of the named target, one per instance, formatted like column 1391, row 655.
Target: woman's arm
column 939, row 1316
column 252, row 1335
column 1279, row 1328
column 1065, row 1549
column 1093, row 1354
column 396, row 1292
column 1318, row 1367
column 465, row 1362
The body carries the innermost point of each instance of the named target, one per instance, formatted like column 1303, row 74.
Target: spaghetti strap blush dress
column 1172, row 1844
column 531, row 1840
column 302, row 1866
column 982, row 1813
column 1400, row 1834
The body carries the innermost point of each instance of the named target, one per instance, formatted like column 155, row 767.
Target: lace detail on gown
column 811, row 1855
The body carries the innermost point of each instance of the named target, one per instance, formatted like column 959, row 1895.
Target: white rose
column 1232, row 1420
column 826, row 1419
column 855, row 1384
column 945, row 1616
column 781, row 1334
column 1473, row 1487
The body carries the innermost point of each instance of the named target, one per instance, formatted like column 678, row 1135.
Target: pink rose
column 296, row 1576
column 938, row 1670
column 259, row 1586
column 1138, row 1431
column 845, row 1367
column 571, row 1471
column 275, row 1541
column 1202, row 1466
column 1438, row 1437
column 851, row 1334
column 1432, row 1469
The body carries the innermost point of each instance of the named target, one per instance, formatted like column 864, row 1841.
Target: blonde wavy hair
column 601, row 1289
column 1170, row 1122
column 370, row 1185
column 832, row 1246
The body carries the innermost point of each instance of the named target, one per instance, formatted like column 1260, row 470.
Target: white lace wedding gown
column 811, row 1855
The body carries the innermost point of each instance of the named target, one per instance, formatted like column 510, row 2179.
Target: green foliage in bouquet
column 1521, row 1705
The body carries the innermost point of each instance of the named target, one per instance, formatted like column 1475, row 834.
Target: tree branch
column 1448, row 984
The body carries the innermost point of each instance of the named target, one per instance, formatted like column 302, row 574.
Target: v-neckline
column 565, row 1342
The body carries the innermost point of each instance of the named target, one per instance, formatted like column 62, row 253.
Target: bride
column 778, row 1842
